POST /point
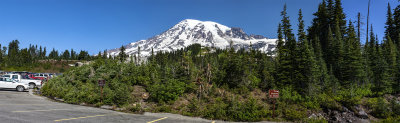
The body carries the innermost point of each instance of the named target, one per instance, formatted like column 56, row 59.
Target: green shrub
column 216, row 110
column 395, row 106
column 135, row 108
column 249, row 110
column 390, row 120
column 288, row 94
column 168, row 91
column 294, row 113
column 380, row 110
column 314, row 121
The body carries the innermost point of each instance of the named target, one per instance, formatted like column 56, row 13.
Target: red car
column 39, row 76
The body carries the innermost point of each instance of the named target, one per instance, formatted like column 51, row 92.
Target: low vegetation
column 324, row 71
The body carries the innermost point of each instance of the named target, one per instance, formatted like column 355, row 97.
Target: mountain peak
column 205, row 33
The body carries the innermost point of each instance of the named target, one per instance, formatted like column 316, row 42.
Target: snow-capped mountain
column 206, row 33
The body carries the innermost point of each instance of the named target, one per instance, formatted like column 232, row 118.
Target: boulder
column 362, row 114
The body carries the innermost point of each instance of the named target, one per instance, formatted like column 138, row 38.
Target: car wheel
column 31, row 85
column 20, row 88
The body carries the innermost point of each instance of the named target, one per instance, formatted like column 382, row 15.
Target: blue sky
column 96, row 25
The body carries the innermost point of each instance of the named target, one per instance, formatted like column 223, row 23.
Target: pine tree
column 287, row 53
column 44, row 53
column 339, row 16
column 105, row 56
column 396, row 24
column 99, row 56
column 390, row 30
column 330, row 6
column 319, row 27
column 66, row 55
column 307, row 68
column 390, row 53
column 73, row 54
column 359, row 26
column 1, row 56
column 352, row 66
column 122, row 55
column 383, row 84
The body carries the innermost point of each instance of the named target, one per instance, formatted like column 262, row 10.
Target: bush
column 216, row 110
column 288, row 94
column 168, row 91
column 380, row 109
column 249, row 110
column 390, row 120
column 294, row 112
column 328, row 102
column 395, row 105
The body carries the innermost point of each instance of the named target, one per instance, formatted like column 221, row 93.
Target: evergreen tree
column 331, row 11
column 122, row 55
column 287, row 52
column 339, row 16
column 41, row 53
column 73, row 54
column 83, row 55
column 13, row 53
column 390, row 27
column 359, row 26
column 382, row 84
column 390, row 53
column 353, row 68
column 105, row 54
column 66, row 55
column 396, row 24
column 44, row 52
column 319, row 27
column 1, row 57
column 307, row 68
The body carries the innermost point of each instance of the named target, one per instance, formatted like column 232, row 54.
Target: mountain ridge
column 205, row 33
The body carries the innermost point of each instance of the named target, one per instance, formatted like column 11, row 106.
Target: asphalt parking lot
column 23, row 107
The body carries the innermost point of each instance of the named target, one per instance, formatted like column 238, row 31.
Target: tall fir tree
column 319, row 27
column 122, row 55
column 353, row 73
column 307, row 67
column 390, row 27
column 340, row 17
column 382, row 84
column 396, row 23
column 287, row 53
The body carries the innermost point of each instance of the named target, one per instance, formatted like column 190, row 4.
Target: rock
column 362, row 114
column 58, row 99
column 312, row 116
column 345, row 109
column 106, row 107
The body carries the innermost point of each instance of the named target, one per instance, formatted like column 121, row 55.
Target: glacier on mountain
column 205, row 33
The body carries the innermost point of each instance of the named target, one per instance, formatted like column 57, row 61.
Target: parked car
column 31, row 82
column 7, row 83
column 40, row 76
column 22, row 73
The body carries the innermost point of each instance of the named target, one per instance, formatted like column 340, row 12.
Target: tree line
column 14, row 56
